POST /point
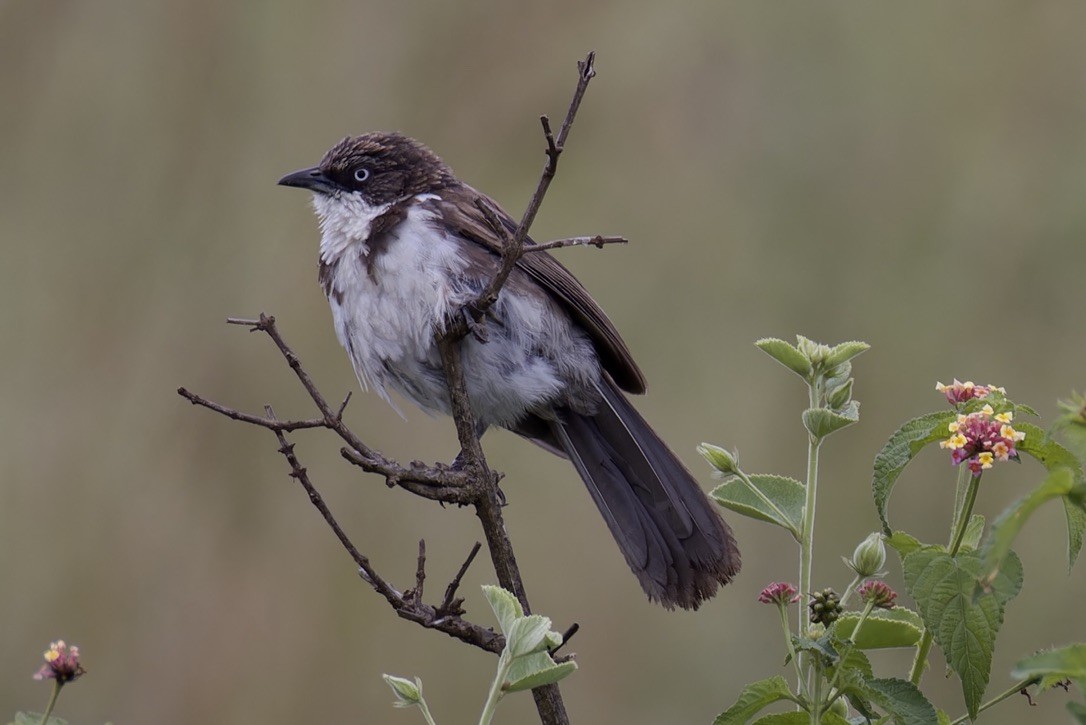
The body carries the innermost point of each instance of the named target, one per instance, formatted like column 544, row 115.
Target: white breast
column 386, row 318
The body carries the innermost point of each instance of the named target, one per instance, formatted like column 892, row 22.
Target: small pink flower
column 959, row 392
column 781, row 593
column 879, row 593
column 61, row 663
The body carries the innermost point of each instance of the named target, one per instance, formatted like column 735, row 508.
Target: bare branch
column 597, row 241
column 514, row 244
column 451, row 603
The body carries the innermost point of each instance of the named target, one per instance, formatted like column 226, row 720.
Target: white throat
column 345, row 219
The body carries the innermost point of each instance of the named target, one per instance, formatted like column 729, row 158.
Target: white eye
column 361, row 173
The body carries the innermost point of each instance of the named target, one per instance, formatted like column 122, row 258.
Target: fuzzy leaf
column 964, row 626
column 904, row 543
column 1065, row 663
column 753, row 698
column 844, row 352
column 786, row 354
column 787, row 496
column 799, row 718
column 1053, row 457
column 902, row 700
column 506, row 607
column 902, row 447
column 897, row 627
column 528, row 635
column 1010, row 522
column 974, row 530
column 536, row 670
column 820, row 422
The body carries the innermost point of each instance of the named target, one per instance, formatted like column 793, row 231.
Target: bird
column 404, row 246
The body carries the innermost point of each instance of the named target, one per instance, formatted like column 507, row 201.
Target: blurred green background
column 911, row 175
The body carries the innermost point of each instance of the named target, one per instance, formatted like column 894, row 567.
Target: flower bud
column 781, row 593
column 869, row 557
column 722, row 460
column 825, row 607
column 408, row 693
column 878, row 593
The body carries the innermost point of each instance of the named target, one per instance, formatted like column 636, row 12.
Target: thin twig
column 451, row 603
column 597, row 241
column 513, row 244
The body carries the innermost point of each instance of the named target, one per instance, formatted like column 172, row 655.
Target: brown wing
column 461, row 216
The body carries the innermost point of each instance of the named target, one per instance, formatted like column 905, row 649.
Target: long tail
column 671, row 535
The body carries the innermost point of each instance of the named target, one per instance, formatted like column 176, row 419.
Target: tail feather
column 668, row 531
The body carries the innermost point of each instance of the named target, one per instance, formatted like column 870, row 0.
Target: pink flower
column 61, row 663
column 781, row 593
column 981, row 438
column 877, row 592
column 959, row 392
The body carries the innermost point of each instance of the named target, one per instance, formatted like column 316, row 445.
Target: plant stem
column 849, row 644
column 967, row 511
column 800, row 683
column 495, row 693
column 806, row 555
column 52, row 702
column 921, row 658
column 850, row 589
column 1010, row 692
column 806, row 543
column 426, row 711
column 816, row 696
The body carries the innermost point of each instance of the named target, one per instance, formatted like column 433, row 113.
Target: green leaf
column 1053, row 457
column 776, row 499
column 856, row 661
column 799, row 718
column 902, row 700
column 844, row 352
column 973, row 531
column 897, row 627
column 528, row 635
column 824, row 646
column 1065, row 663
column 944, row 719
column 1078, row 711
column 753, row 698
column 840, row 396
column 34, row 718
column 820, row 422
column 506, row 607
column 902, row 447
column 786, row 355
column 1076, row 524
column 964, row 626
column 904, row 543
column 536, row 670
column 1010, row 522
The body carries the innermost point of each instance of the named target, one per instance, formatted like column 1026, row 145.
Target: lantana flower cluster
column 61, row 663
column 981, row 438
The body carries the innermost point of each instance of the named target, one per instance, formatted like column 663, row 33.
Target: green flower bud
column 408, row 693
column 723, row 461
column 869, row 557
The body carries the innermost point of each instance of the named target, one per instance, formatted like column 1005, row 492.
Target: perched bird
column 403, row 247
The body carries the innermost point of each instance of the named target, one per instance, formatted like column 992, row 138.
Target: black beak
column 312, row 178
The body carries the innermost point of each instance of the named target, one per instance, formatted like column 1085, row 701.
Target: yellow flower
column 1004, row 417
column 1011, row 434
column 1001, row 450
column 985, row 459
column 954, row 442
column 987, row 410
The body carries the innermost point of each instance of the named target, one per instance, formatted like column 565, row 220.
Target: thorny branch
column 473, row 482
